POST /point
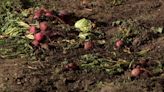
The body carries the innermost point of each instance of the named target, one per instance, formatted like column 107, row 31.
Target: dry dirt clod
column 136, row 42
column 85, row 1
column 45, row 46
column 107, row 89
column 143, row 62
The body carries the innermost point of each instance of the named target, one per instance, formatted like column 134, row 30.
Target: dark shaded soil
column 20, row 75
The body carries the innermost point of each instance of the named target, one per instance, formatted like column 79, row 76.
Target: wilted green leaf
column 30, row 36
column 2, row 42
column 143, row 52
column 23, row 24
column 84, row 35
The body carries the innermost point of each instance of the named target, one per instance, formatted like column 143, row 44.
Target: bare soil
column 22, row 75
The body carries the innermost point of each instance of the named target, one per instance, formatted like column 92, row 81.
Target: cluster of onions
column 40, row 34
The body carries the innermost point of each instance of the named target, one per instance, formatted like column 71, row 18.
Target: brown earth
column 20, row 75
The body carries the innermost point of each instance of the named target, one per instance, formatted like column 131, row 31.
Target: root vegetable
column 43, row 26
column 35, row 43
column 49, row 14
column 136, row 72
column 119, row 43
column 32, row 29
column 38, row 36
column 88, row 45
column 43, row 9
column 37, row 14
